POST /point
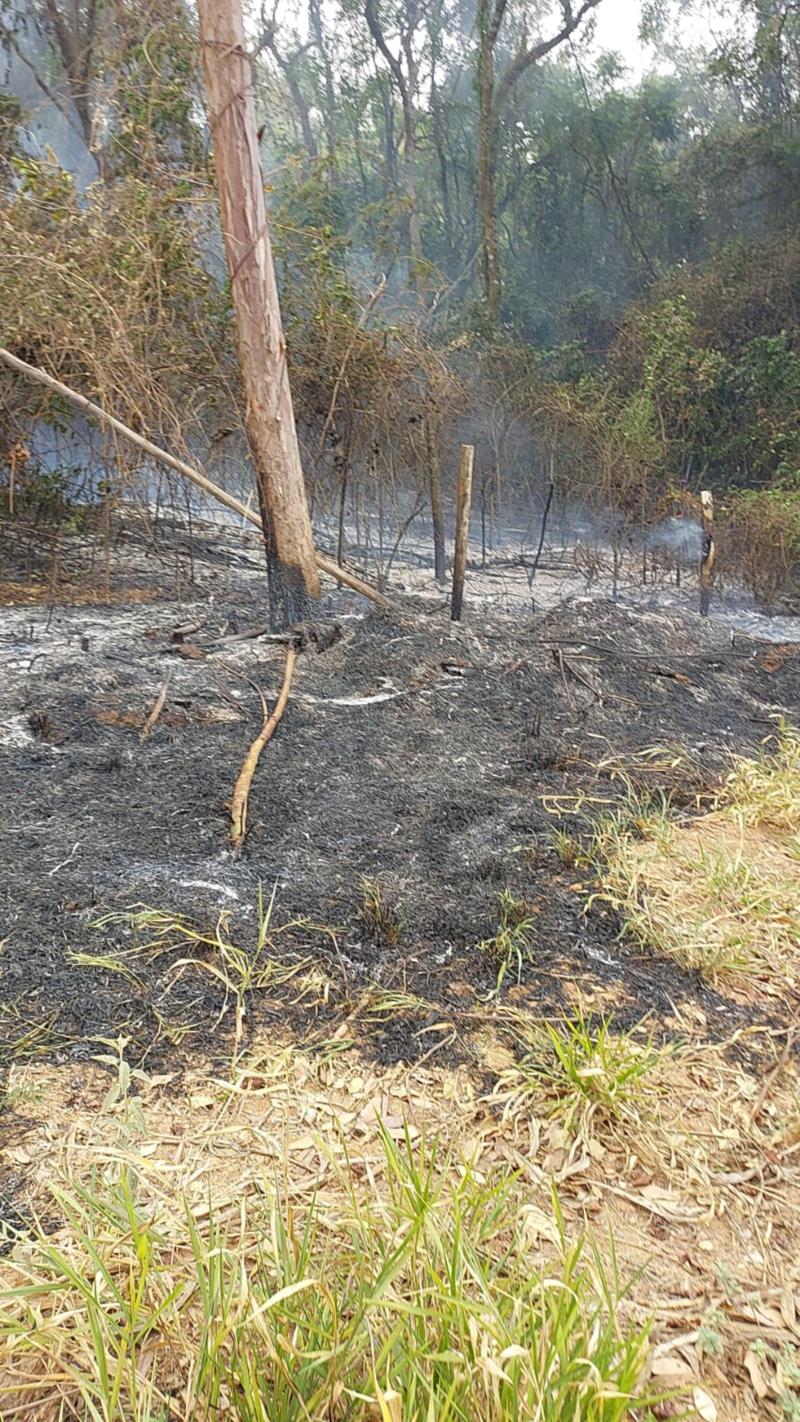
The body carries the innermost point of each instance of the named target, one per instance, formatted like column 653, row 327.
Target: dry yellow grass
column 720, row 893
column 698, row 1185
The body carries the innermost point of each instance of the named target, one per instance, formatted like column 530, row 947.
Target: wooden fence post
column 709, row 553
column 466, row 460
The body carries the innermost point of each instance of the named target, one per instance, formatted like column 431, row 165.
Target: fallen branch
column 155, row 710
column 558, row 658
column 302, row 636
column 186, row 629
column 241, row 789
column 584, row 681
column 249, row 636
column 325, row 564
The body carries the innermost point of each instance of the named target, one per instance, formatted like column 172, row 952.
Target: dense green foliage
column 647, row 232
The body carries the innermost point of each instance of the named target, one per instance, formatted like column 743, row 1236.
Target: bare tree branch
column 532, row 54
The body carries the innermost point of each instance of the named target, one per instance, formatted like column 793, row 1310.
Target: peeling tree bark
column 269, row 415
column 708, row 555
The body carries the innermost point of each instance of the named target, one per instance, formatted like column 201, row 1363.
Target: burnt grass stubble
column 436, row 794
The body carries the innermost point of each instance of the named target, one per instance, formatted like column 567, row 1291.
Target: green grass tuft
column 511, row 944
column 380, row 917
column 585, row 1063
column 417, row 1302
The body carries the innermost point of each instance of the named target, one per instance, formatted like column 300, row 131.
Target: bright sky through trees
column 617, row 29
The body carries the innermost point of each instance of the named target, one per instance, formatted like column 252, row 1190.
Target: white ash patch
column 505, row 587
column 15, row 733
column 221, row 889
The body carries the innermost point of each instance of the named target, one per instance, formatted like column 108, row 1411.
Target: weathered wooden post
column 708, row 556
column 466, row 461
column 543, row 530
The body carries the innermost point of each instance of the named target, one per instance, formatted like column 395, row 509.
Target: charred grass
column 298, row 1158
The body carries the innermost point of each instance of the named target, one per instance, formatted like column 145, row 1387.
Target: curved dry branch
column 241, row 790
column 155, row 710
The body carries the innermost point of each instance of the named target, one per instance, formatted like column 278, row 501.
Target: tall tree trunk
column 330, row 116
column 303, row 110
column 389, row 145
column 770, row 24
column 357, row 149
column 269, row 416
column 286, row 64
column 405, row 81
column 438, row 127
column 407, row 93
column 493, row 94
column 410, row 182
column 487, row 149
column 76, row 35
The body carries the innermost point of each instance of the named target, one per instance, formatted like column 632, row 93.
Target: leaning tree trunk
column 269, row 416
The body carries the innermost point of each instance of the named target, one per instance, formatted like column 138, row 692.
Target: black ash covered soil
column 413, row 752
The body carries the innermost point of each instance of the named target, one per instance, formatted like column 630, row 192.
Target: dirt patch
column 66, row 594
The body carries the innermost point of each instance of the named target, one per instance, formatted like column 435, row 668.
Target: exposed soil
column 424, row 755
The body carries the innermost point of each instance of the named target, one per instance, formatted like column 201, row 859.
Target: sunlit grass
column 765, row 790
column 239, row 968
column 511, row 943
column 22, row 1037
column 581, row 1065
column 379, row 916
column 719, row 893
column 418, row 1300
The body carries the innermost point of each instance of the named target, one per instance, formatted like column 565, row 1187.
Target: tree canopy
column 504, row 232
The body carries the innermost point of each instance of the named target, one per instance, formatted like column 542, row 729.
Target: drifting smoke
column 681, row 536
column 49, row 127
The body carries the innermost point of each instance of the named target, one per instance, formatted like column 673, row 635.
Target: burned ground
column 420, row 755
column 421, row 772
